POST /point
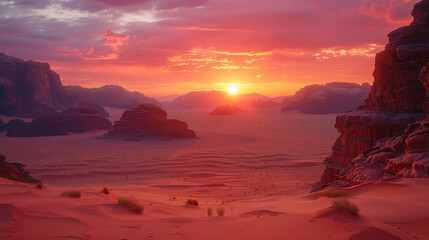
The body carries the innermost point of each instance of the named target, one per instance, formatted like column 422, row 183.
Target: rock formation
column 29, row 88
column 333, row 97
column 14, row 171
column 389, row 134
column 225, row 110
column 149, row 120
column 74, row 120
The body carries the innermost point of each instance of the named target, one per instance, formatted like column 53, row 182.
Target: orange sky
column 167, row 47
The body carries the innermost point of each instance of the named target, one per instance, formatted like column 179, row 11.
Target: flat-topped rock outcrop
column 147, row 121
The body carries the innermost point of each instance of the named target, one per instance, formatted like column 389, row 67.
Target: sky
column 166, row 47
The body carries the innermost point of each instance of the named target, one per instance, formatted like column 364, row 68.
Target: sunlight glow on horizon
column 233, row 90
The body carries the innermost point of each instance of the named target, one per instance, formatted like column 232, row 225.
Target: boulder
column 146, row 121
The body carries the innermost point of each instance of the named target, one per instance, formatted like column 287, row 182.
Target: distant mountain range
column 210, row 99
column 336, row 97
column 168, row 98
column 30, row 89
column 109, row 95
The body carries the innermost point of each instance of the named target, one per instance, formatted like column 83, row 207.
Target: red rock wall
column 33, row 81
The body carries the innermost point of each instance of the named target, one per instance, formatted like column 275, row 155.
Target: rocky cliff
column 29, row 88
column 388, row 135
column 149, row 120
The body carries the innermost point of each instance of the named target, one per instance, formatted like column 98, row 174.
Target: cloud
column 114, row 40
column 395, row 11
column 202, row 40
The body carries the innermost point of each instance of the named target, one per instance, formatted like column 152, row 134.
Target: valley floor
column 262, row 179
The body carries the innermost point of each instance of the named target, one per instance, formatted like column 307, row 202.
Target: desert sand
column 258, row 166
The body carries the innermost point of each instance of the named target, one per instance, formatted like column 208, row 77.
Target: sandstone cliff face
column 74, row 120
column 149, row 120
column 396, row 74
column 381, row 136
column 29, row 82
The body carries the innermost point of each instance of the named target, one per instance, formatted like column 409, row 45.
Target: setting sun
column 233, row 90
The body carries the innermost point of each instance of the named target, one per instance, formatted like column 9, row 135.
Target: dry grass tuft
column 192, row 202
column 73, row 194
column 333, row 193
column 131, row 204
column 220, row 212
column 344, row 204
column 105, row 190
column 209, row 211
column 39, row 186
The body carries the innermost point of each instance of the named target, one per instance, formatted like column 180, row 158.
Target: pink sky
column 163, row 47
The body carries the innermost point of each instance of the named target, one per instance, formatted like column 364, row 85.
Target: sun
column 233, row 90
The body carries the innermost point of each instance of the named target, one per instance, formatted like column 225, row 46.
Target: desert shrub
column 105, row 190
column 192, row 202
column 131, row 204
column 344, row 204
column 333, row 193
column 209, row 211
column 73, row 194
column 220, row 212
column 39, row 186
